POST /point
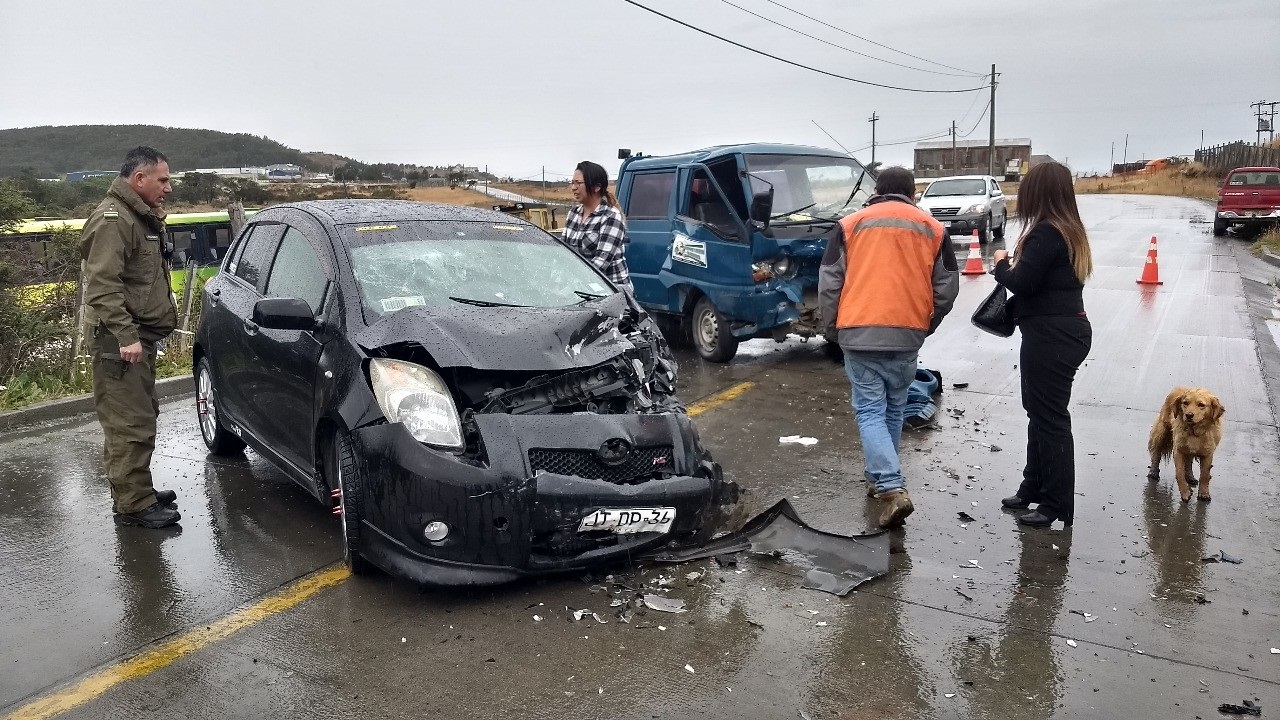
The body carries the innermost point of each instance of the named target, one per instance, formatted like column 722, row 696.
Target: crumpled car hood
column 507, row 338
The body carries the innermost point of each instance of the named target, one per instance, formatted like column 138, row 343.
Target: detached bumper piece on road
column 519, row 509
column 832, row 563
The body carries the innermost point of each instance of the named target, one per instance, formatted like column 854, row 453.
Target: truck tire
column 1219, row 227
column 710, row 332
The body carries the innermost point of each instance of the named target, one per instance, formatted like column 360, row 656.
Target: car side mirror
column 284, row 314
column 762, row 206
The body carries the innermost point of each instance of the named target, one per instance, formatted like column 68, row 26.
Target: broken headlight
column 415, row 396
column 783, row 267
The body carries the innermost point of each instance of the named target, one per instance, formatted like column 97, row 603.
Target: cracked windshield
column 439, row 264
column 807, row 188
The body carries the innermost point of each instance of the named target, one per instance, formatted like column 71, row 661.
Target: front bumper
column 963, row 224
column 509, row 519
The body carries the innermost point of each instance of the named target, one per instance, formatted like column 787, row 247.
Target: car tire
column 998, row 232
column 216, row 437
column 349, row 481
column 710, row 332
column 985, row 230
column 1219, row 227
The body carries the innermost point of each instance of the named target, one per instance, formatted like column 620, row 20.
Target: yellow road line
column 719, row 399
column 169, row 651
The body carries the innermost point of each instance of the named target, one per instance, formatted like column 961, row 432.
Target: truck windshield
column 809, row 187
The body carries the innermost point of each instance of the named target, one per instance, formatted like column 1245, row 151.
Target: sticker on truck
column 689, row 251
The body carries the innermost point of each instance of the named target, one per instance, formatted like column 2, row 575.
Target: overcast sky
column 521, row 84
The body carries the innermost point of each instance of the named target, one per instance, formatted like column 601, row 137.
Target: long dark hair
column 1047, row 195
column 597, row 181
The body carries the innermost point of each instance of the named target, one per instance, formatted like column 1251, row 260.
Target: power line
column 873, row 42
column 834, row 45
column 833, row 137
column 792, row 62
column 985, row 108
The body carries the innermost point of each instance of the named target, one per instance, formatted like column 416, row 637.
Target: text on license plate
column 946, row 223
column 629, row 520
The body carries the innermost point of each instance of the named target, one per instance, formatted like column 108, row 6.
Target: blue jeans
column 880, row 381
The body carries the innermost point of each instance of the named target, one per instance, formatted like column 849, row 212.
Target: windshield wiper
column 483, row 303
column 856, row 184
column 586, row 295
column 793, row 212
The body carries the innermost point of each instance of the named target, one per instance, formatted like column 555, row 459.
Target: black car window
column 651, row 194
column 296, row 271
column 251, row 261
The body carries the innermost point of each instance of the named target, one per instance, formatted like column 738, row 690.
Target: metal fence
column 1224, row 158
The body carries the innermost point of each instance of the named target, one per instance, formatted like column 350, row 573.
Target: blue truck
column 726, row 241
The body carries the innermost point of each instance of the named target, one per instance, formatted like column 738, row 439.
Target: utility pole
column 991, row 140
column 1258, row 114
column 544, row 181
column 873, row 120
column 955, row 157
column 1113, row 157
column 1125, row 160
column 1271, row 122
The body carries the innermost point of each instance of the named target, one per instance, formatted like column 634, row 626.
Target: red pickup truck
column 1249, row 196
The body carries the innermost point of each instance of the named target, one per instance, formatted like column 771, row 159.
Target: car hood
column 962, row 201
column 510, row 338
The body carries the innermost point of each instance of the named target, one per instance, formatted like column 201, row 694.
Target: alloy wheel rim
column 205, row 406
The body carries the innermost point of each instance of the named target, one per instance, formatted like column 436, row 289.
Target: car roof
column 717, row 151
column 1255, row 169
column 349, row 211
column 959, row 177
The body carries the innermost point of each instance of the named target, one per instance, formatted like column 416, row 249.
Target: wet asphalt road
column 974, row 620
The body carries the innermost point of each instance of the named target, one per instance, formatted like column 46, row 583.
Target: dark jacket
column 1042, row 279
column 126, row 275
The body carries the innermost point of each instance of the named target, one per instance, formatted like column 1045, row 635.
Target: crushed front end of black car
column 572, row 448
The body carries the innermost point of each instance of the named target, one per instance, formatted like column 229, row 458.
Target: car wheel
column 1219, row 227
column 216, row 437
column 349, row 482
column 985, row 230
column 998, row 232
column 710, row 331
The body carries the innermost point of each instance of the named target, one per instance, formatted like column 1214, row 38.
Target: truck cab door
column 648, row 199
column 711, row 243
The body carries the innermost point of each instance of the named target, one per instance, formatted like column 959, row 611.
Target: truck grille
column 641, row 465
column 945, row 212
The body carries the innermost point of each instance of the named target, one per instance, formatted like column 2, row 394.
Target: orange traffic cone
column 973, row 264
column 1151, row 270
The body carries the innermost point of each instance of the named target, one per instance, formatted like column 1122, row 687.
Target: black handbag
column 995, row 313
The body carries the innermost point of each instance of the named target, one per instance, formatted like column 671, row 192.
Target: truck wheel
column 216, row 437
column 341, row 466
column 710, row 331
column 1219, row 227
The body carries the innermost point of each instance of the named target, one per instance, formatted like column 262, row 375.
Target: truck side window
column 651, row 195
column 707, row 206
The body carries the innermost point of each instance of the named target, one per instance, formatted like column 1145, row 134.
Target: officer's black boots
column 155, row 516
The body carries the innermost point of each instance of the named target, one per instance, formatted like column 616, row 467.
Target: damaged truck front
column 572, row 448
column 726, row 242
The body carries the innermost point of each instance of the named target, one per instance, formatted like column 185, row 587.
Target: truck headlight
column 783, row 267
column 415, row 396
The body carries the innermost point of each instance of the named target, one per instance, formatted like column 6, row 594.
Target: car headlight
column 415, row 396
column 976, row 209
column 783, row 267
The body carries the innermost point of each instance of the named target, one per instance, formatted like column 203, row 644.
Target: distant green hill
column 55, row 151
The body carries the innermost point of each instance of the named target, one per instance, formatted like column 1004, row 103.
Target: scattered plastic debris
column 664, row 604
column 689, row 669
column 1222, row 556
column 1072, row 643
column 959, row 386
column 948, row 695
column 537, row 618
column 966, row 517
column 1274, row 651
column 797, row 440
column 966, row 597
column 1248, row 708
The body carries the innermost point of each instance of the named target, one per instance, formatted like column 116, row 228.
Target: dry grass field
column 554, row 192
column 1183, row 181
column 459, row 196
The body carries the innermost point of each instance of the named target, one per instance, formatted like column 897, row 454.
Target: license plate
column 623, row 521
column 946, row 223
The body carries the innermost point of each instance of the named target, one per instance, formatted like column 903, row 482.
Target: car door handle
column 251, row 327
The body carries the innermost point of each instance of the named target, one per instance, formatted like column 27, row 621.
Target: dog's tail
column 1160, row 442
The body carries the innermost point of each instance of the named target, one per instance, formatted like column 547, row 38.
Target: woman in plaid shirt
column 596, row 228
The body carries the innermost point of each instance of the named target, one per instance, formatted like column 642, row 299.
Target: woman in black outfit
column 1046, row 276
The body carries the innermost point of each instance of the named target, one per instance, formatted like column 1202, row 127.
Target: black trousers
column 1052, row 350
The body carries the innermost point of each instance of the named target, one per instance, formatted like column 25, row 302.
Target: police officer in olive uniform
column 130, row 307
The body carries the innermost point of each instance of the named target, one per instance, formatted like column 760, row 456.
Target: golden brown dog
column 1189, row 427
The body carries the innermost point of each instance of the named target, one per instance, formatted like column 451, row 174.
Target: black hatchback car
column 475, row 399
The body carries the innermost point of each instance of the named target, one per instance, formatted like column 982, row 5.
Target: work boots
column 154, row 516
column 897, row 506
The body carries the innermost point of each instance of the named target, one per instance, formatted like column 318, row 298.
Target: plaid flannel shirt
column 600, row 238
